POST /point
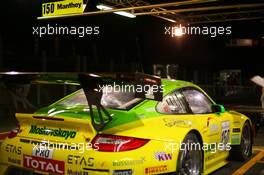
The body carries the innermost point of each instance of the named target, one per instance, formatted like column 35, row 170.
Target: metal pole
column 1, row 51
column 225, row 13
column 238, row 6
column 166, row 19
column 224, row 20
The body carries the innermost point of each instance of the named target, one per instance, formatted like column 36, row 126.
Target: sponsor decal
column 13, row 149
column 42, row 152
column 129, row 162
column 74, row 172
column 55, row 145
column 123, row 172
column 214, row 147
column 225, row 133
column 162, row 156
column 235, row 139
column 15, row 161
column 170, row 122
column 52, row 132
column 62, row 7
column 150, row 109
column 156, row 169
column 42, row 164
column 236, row 129
column 213, row 127
column 80, row 160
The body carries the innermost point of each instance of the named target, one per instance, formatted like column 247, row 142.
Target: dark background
column 126, row 44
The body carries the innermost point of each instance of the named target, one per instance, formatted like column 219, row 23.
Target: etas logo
column 46, row 165
column 52, row 132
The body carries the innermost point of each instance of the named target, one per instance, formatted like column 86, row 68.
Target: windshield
column 111, row 99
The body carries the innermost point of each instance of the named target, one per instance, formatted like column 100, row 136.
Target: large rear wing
column 145, row 87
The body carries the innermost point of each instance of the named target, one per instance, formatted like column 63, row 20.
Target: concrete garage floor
column 254, row 166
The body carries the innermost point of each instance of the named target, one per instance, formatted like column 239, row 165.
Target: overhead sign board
column 62, row 7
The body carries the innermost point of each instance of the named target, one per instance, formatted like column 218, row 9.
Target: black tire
column 243, row 151
column 190, row 160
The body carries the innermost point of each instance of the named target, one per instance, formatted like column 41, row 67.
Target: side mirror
column 217, row 108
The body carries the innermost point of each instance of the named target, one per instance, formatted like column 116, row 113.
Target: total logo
column 42, row 164
column 162, row 156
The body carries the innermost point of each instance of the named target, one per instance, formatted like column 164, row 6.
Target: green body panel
column 143, row 110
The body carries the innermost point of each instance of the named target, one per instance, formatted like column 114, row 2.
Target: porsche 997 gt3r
column 165, row 126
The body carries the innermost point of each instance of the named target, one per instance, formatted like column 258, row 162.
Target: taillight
column 14, row 132
column 113, row 143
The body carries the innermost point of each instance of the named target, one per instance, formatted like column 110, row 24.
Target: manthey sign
column 62, row 8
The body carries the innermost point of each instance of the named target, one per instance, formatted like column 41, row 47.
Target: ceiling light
column 126, row 14
column 178, row 31
column 171, row 20
column 103, row 7
column 122, row 13
column 84, row 6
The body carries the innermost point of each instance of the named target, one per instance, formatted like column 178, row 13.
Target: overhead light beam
column 122, row 13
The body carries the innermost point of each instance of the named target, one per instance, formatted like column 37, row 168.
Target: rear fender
column 237, row 125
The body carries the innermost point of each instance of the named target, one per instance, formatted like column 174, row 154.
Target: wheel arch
column 200, row 139
column 252, row 131
column 199, row 136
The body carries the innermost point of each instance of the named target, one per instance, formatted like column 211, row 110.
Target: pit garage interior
column 144, row 38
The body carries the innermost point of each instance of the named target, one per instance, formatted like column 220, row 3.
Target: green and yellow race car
column 145, row 126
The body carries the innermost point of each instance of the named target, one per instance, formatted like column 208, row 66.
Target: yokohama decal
column 42, row 164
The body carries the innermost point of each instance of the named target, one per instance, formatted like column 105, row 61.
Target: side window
column 197, row 101
column 171, row 104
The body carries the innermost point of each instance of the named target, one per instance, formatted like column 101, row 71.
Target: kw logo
column 162, row 156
